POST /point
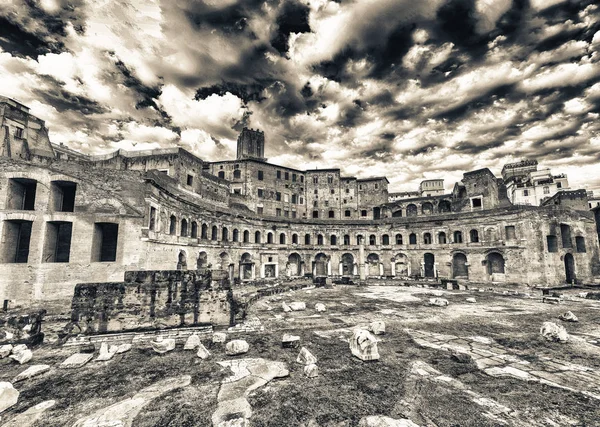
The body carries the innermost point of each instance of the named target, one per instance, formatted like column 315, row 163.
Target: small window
column 398, row 239
column 427, row 239
column 19, row 133
column 260, row 175
column 347, row 190
column 346, row 239
column 315, row 179
column 287, row 176
column 63, row 195
column 286, row 198
column 331, row 214
column 278, row 212
column 172, row 225
column 565, row 233
column 363, row 213
column 559, row 185
column 259, row 210
column 221, row 175
column 190, row 180
column 278, row 174
column 332, row 191
column 294, row 177
column 525, row 193
column 316, row 191
column 476, row 202
column 412, row 239
column 474, row 234
column 294, row 239
column 510, row 232
column 152, row 220
column 385, row 239
column 260, row 192
column 552, row 242
column 57, row 245
column 546, row 189
column 315, row 214
column 278, row 196
column 329, row 179
column 16, row 239
column 347, row 213
column 301, row 178
column 21, row 194
column 104, row 246
column 580, row 244
column 458, row 237
column 237, row 174
column 294, row 199
column 301, row 200
column 307, row 239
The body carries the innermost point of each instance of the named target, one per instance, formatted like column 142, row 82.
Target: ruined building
column 69, row 218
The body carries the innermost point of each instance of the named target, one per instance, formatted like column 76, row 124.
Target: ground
column 466, row 364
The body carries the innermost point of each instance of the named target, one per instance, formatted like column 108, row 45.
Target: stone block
column 76, row 360
column 8, row 396
column 363, row 345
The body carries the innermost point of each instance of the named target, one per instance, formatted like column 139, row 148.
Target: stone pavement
column 496, row 361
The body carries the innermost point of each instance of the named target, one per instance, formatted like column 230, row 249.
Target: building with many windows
column 526, row 185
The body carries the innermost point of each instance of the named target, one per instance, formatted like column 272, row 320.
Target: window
column 278, row 174
column 552, row 242
column 57, row 245
column 190, row 180
column 442, row 237
column 184, row 228
column 294, row 199
column 104, row 242
column 301, row 178
column 398, row 239
column 204, row 232
column 294, row 239
column 301, row 200
column 259, row 210
column 363, row 213
column 427, row 239
column 172, row 225
column 221, row 175
column 315, row 204
column 346, row 239
column 287, row 176
column 474, row 234
column 580, row 244
column 525, row 193
column 315, row 179
column 476, row 203
column 347, row 213
column 293, row 214
column 278, row 212
column 331, row 214
column 19, row 133
column 372, row 240
column 510, row 232
column 214, row 233
column 293, row 177
column 236, row 235
column 333, row 240
column 329, row 179
column 152, row 221
column 260, row 175
column 237, row 174
column 332, row 191
column 16, row 239
column 282, row 239
column 225, row 234
column 21, row 194
column 246, row 236
column 385, row 239
column 278, row 196
column 269, row 237
column 286, row 213
column 458, row 237
column 359, row 239
column 194, row 233
column 565, row 234
column 286, row 198
column 315, row 214
column 319, row 239
column 260, row 192
column 546, row 189
column 559, row 185
column 412, row 239
column 257, row 237
column 316, row 192
column 347, row 190
column 307, row 239
column 63, row 195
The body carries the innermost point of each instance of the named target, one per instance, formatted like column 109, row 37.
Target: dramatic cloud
column 408, row 89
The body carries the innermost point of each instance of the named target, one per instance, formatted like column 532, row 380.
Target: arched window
column 282, row 239
column 458, row 237
column 236, row 235
column 184, row 228
column 474, row 234
column 246, row 236
column 307, row 239
column 194, row 229
column 411, row 210
column 294, row 239
column 359, row 239
column 214, row 233
column 225, row 234
column 319, row 239
column 398, row 239
column 346, row 239
column 442, row 238
column 347, row 213
column 269, row 237
column 427, row 239
column 397, row 214
column 372, row 240
column 385, row 239
column 412, row 239
column 333, row 240
column 257, row 237
column 237, row 174
column 172, row 225
column 204, row 234
column 495, row 263
column 427, row 208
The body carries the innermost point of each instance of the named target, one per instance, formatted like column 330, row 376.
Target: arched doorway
column 202, row 261
column 246, row 267
column 459, row 266
column 320, row 265
column 401, row 266
column 429, row 265
column 373, row 265
column 182, row 261
column 347, row 265
column 495, row 263
column 294, row 265
column 569, row 268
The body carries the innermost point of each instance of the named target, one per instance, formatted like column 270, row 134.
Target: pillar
column 361, row 261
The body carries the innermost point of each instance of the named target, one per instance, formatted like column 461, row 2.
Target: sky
column 407, row 89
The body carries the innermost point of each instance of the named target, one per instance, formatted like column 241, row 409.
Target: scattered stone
column 377, row 327
column 436, row 293
column 5, row 350
column 320, row 307
column 192, row 342
column 290, row 341
column 381, row 421
column 31, row 415
column 77, row 360
column 363, row 345
column 553, row 332
column 32, row 371
column 8, row 396
column 19, row 348
column 123, row 348
column 582, row 294
column 298, row 306
column 305, row 357
column 461, row 357
column 219, row 337
column 285, row 307
column 203, row 353
column 163, row 345
column 551, row 300
column 106, row 353
column 471, row 300
column 87, row 348
column 439, row 302
column 236, row 347
column 21, row 354
column 311, row 371
column 568, row 317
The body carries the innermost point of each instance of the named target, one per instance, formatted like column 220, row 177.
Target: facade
column 70, row 218
column 526, row 185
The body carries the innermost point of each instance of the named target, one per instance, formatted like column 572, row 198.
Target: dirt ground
column 532, row 381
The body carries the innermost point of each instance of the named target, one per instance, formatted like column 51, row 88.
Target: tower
column 251, row 145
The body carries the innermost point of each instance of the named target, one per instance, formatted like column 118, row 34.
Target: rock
column 377, row 327
column 21, row 354
column 236, row 347
column 8, row 396
column 202, row 353
column 106, row 353
column 290, row 341
column 439, row 302
column 163, row 345
column 219, row 337
column 436, row 293
column 123, row 348
column 568, row 317
column 582, row 294
column 285, row 307
column 381, row 421
column 311, row 370
column 5, row 350
column 305, row 357
column 471, row 300
column 298, row 306
column 32, row 371
column 192, row 342
column 363, row 345
column 461, row 357
column 31, row 415
column 320, row 307
column 87, row 348
column 77, row 360
column 553, row 332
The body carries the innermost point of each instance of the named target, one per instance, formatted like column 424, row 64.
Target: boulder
column 5, row 350
column 8, row 396
column 438, row 302
column 553, row 332
column 192, row 342
column 163, row 345
column 305, row 357
column 471, row 300
column 219, row 337
column 32, row 371
column 290, row 341
column 236, row 347
column 106, row 353
column 320, row 307
column 77, row 360
column 363, row 345
column 285, row 307
column 123, row 348
column 381, row 421
column 21, row 354
column 202, row 353
column 377, row 327
column 568, row 317
column 298, row 306
column 311, row 371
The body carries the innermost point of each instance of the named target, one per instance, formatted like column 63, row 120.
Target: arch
column 373, row 265
column 182, row 260
column 246, row 266
column 246, row 236
column 224, row 260
column 460, row 266
column 569, row 268
column 204, row 232
column 372, row 240
column 474, row 236
column 427, row 239
column 257, row 237
column 225, row 234
column 246, row 258
column 333, row 240
column 319, row 239
column 412, row 239
column 495, row 263
column 294, row 239
column 294, row 264
column 359, row 238
column 442, row 238
column 347, row 264
column 237, row 174
column 458, row 237
column 184, row 228
column 236, row 235
column 411, row 210
column 202, row 261
column 307, row 239
column 444, row 206
column 269, row 237
column 214, row 233
column 385, row 239
column 429, row 265
column 398, row 239
column 194, row 230
column 320, row 264
column 172, row 225
column 282, row 238
column 427, row 208
column 397, row 214
column 346, row 239
column 401, row 266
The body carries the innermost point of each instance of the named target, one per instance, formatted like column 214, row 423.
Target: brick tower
column 251, row 145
